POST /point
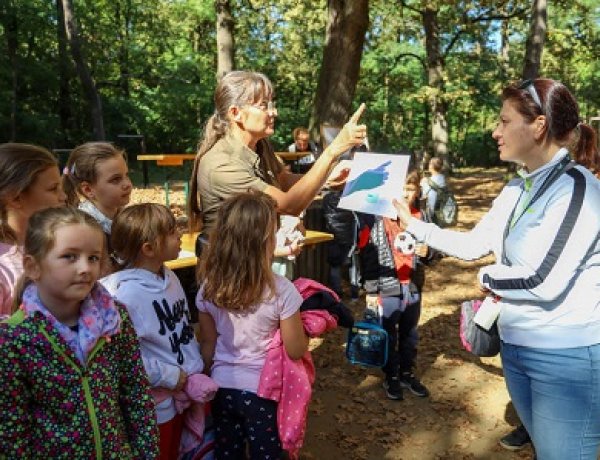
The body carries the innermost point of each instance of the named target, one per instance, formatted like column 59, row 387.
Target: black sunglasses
column 528, row 86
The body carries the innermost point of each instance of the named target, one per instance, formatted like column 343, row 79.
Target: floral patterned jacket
column 53, row 407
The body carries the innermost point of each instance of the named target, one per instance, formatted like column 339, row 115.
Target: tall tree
column 10, row 24
column 64, row 93
column 123, row 27
column 347, row 24
column 87, row 81
column 535, row 40
column 225, row 38
column 436, row 55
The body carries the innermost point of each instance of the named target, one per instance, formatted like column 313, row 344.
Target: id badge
column 488, row 312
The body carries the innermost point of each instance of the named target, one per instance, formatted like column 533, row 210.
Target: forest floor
column 468, row 410
column 350, row 417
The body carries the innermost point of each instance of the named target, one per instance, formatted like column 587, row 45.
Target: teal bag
column 367, row 344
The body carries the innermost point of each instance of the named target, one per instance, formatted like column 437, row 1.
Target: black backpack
column 445, row 211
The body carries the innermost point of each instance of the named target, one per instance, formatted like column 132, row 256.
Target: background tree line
column 430, row 71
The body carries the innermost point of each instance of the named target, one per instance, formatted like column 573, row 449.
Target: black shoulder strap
column 562, row 167
column 433, row 185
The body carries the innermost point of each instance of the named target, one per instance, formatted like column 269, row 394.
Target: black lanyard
column 563, row 166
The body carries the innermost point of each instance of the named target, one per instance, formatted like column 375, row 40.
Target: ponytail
column 69, row 184
column 7, row 235
column 585, row 151
column 20, row 287
column 215, row 130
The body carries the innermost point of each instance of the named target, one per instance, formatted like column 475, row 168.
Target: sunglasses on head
column 528, row 86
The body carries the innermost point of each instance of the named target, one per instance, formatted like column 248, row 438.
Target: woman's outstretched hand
column 403, row 211
column 351, row 135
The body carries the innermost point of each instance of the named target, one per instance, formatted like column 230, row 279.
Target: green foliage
column 154, row 62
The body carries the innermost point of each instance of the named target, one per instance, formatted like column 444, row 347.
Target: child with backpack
column 74, row 385
column 241, row 305
column 441, row 203
column 144, row 236
column 392, row 264
column 29, row 181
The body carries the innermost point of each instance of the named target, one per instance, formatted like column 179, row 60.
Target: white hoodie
column 161, row 318
column 549, row 289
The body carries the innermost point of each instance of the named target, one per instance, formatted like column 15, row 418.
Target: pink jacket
column 307, row 287
column 198, row 389
column 290, row 382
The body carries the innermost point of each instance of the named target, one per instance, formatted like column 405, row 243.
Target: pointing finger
column 356, row 116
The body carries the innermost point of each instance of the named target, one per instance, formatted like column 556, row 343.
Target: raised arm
column 303, row 190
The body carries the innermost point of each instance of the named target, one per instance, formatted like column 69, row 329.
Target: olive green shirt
column 231, row 167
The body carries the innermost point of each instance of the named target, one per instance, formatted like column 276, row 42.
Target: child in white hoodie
column 144, row 236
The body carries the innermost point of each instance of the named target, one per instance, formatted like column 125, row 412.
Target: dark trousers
column 403, row 338
column 241, row 417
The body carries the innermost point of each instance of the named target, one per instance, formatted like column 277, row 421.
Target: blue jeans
column 556, row 393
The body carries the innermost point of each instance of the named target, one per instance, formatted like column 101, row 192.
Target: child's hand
column 296, row 247
column 421, row 250
column 403, row 211
column 372, row 300
column 181, row 381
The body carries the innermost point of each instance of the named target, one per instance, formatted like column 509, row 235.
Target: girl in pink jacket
column 241, row 305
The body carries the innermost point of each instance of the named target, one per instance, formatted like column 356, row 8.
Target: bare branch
column 413, row 55
column 408, row 7
column 483, row 17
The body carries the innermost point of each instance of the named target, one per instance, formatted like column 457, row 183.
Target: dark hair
column 236, row 272
column 82, row 166
column 20, row 165
column 436, row 163
column 235, row 88
column 139, row 224
column 414, row 178
column 561, row 110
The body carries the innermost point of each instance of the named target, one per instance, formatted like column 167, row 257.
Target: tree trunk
column 123, row 22
column 340, row 68
column 64, row 93
column 10, row 24
column 504, row 48
column 87, row 81
column 225, row 41
column 435, row 79
column 535, row 40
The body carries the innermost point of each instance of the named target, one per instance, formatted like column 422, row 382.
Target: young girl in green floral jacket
column 73, row 384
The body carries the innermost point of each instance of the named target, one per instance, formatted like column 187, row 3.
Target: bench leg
column 167, row 194
column 145, row 173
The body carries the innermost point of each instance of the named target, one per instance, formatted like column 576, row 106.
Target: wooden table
column 291, row 156
column 188, row 244
column 164, row 159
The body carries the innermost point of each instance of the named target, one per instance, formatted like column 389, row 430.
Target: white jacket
column 549, row 285
column 160, row 315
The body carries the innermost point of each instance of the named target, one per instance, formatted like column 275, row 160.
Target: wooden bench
column 188, row 244
column 163, row 159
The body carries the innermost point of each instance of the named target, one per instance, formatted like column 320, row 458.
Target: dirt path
column 350, row 417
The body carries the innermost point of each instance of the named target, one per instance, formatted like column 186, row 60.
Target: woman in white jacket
column 543, row 229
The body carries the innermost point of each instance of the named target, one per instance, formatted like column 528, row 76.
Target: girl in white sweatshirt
column 144, row 237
